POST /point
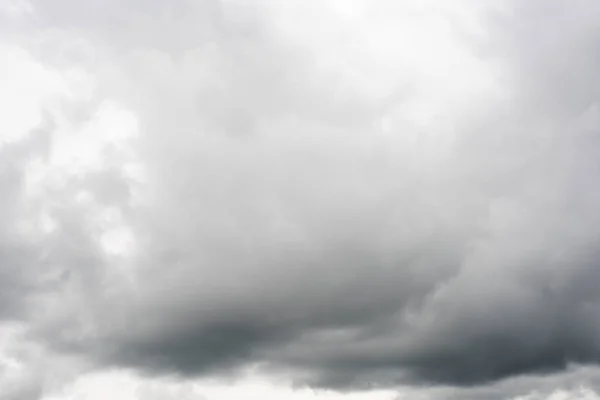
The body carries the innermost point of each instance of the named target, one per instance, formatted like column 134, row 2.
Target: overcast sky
column 299, row 199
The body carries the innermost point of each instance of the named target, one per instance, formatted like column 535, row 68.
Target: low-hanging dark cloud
column 353, row 211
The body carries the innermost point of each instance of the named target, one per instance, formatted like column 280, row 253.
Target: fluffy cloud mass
column 344, row 195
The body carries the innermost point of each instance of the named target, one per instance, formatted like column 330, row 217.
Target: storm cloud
column 353, row 195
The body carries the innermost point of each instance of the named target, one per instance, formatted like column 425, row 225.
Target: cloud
column 20, row 253
column 390, row 194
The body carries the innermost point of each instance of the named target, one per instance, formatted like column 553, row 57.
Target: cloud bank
column 350, row 195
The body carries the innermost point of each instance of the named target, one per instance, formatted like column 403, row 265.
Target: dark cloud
column 354, row 212
column 575, row 382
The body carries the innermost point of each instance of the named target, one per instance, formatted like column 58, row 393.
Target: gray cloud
column 302, row 211
column 20, row 253
column 22, row 391
column 576, row 381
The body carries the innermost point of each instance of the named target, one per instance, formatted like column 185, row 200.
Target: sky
column 299, row 199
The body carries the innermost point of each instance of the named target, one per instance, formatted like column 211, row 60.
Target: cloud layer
column 349, row 194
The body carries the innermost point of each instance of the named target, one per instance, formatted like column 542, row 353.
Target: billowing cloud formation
column 351, row 194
